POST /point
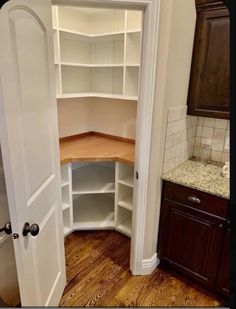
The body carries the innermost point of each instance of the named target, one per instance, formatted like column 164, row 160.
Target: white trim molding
column 147, row 88
column 149, row 265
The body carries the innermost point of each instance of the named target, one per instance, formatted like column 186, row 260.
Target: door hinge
column 136, row 175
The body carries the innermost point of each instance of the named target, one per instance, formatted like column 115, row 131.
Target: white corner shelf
column 97, row 52
column 64, row 183
column 65, row 206
column 86, row 65
column 94, row 211
column 91, row 179
column 102, row 196
column 127, row 181
column 66, row 231
column 126, row 203
column 125, row 228
column 110, row 34
column 97, row 95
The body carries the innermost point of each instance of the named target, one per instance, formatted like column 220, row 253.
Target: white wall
column 115, row 117
column 176, row 35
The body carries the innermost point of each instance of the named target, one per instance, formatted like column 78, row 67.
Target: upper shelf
column 97, row 52
column 98, row 35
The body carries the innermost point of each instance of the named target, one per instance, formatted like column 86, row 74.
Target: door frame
column 151, row 10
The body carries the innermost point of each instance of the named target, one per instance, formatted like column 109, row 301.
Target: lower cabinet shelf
column 102, row 194
column 125, row 228
column 93, row 211
column 124, row 221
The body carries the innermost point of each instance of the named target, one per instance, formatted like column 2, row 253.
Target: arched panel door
column 29, row 134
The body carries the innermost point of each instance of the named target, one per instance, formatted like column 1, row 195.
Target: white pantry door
column 29, row 138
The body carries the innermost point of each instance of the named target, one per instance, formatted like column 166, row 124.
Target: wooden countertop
column 93, row 147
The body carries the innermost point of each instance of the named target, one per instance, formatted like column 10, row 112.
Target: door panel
column 31, row 148
column 190, row 240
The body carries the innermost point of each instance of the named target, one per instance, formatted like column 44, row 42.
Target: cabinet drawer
column 204, row 201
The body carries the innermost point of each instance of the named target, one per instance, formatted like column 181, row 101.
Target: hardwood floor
column 98, row 276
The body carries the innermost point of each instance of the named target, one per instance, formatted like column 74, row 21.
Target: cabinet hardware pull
column 194, row 199
column 221, row 225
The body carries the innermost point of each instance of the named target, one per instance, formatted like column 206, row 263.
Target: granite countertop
column 203, row 177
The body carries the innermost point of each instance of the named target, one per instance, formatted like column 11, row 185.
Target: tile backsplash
column 187, row 135
column 180, row 137
column 214, row 133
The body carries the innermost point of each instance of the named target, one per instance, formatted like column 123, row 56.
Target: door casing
column 151, row 10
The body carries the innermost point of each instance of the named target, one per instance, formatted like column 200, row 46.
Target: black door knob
column 33, row 229
column 6, row 228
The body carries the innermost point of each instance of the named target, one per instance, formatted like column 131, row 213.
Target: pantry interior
column 97, row 68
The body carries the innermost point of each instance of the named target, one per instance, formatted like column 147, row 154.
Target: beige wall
column 116, row 117
column 176, row 34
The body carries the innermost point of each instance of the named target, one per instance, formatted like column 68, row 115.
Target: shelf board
column 96, row 95
column 94, row 225
column 125, row 228
column 85, row 65
column 93, row 179
column 65, row 206
column 127, row 203
column 93, row 212
column 67, row 230
column 64, row 184
column 127, row 182
column 133, row 31
column 90, row 35
column 131, row 65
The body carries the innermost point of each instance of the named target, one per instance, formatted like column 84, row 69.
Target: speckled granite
column 197, row 175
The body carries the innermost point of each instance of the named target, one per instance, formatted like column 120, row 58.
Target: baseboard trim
column 149, row 265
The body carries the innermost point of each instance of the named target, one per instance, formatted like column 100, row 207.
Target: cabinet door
column 223, row 275
column 190, row 241
column 209, row 82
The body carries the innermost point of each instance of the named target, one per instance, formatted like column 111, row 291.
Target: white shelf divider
column 124, row 198
column 66, row 198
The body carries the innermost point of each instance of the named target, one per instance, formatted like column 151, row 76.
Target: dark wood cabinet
column 223, row 275
column 192, row 234
column 209, row 80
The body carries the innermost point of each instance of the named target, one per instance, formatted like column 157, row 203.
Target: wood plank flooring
column 98, row 275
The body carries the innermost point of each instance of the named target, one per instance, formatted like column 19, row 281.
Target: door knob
column 33, row 229
column 6, row 228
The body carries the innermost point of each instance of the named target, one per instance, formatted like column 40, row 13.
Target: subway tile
column 206, row 141
column 199, row 131
column 207, row 132
column 197, row 142
column 177, row 113
column 170, row 153
column 216, row 155
column 219, row 134
column 209, row 122
column 170, row 141
column 225, row 156
column 200, row 121
column 221, row 123
column 217, row 145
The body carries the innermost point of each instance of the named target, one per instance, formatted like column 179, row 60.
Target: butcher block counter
column 96, row 147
